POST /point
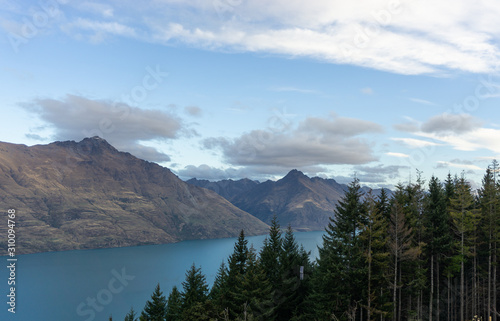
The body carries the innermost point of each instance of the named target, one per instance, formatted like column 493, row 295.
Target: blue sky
column 221, row 89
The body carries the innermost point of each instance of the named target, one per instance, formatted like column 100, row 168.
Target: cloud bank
column 75, row 117
column 401, row 36
column 314, row 142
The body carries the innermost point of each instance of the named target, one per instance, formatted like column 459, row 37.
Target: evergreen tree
column 416, row 268
column 131, row 315
column 439, row 241
column 291, row 285
column 339, row 279
column 219, row 291
column 270, row 261
column 237, row 260
column 201, row 311
column 237, row 263
column 155, row 309
column 489, row 198
column 375, row 242
column 255, row 293
column 450, row 189
column 383, row 205
column 174, row 305
column 464, row 220
column 195, row 289
column 400, row 245
column 271, row 253
column 412, row 269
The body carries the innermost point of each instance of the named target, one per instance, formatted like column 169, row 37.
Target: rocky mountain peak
column 293, row 175
column 88, row 146
column 87, row 194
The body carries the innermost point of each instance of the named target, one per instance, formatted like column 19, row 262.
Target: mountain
column 304, row 203
column 226, row 188
column 85, row 195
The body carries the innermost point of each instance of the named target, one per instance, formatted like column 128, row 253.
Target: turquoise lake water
column 94, row 284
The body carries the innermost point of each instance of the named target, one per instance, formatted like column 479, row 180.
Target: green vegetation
column 420, row 254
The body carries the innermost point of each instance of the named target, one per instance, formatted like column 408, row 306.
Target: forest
column 429, row 252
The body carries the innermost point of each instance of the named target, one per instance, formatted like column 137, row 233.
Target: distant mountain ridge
column 226, row 188
column 83, row 195
column 304, row 203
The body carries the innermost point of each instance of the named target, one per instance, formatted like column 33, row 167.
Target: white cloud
column 482, row 138
column 399, row 155
column 415, row 143
column 451, row 124
column 315, row 141
column 123, row 126
column 405, row 36
column 457, row 165
column 423, row 101
column 99, row 29
column 294, row 89
column 462, row 132
column 378, row 173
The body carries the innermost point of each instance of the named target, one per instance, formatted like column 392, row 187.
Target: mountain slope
column 84, row 195
column 304, row 203
column 226, row 188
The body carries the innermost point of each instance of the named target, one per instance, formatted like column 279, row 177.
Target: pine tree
column 464, row 220
column 174, row 305
column 415, row 269
column 450, row 189
column 400, row 245
column 131, row 315
column 271, row 253
column 237, row 263
column 305, row 308
column 291, row 285
column 255, row 293
column 383, row 205
column 439, row 240
column 375, row 240
column 195, row 289
column 489, row 197
column 201, row 311
column 155, row 309
column 219, row 291
column 237, row 260
column 340, row 274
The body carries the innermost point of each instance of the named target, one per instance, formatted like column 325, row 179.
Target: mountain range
column 83, row 195
column 297, row 200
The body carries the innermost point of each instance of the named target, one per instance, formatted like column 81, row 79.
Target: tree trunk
column 495, row 287
column 421, row 305
column 462, row 279
column 394, row 315
column 488, row 309
column 438, row 286
column 474, row 285
column 399, row 296
column 431, row 297
column 449, row 305
column 467, row 298
column 369, row 311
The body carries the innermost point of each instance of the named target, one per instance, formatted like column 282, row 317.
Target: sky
column 227, row 89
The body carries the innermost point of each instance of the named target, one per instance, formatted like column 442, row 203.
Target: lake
column 91, row 285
